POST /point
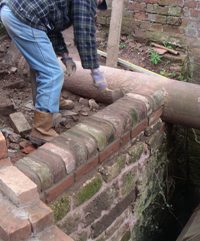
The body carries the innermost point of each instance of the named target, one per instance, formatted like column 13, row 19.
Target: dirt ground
column 16, row 93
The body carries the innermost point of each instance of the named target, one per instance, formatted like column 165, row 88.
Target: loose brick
column 109, row 151
column 66, row 155
column 19, row 122
column 86, row 168
column 41, row 170
column 56, row 190
column 40, row 216
column 6, row 107
column 3, row 147
column 14, row 225
column 78, row 150
column 52, row 161
column 83, row 137
column 53, row 234
column 18, row 187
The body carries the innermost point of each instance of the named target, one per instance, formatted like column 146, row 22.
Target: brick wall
column 98, row 176
column 174, row 21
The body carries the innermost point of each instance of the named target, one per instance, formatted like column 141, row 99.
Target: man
column 35, row 27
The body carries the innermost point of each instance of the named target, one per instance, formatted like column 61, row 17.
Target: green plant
column 168, row 45
column 155, row 58
column 122, row 45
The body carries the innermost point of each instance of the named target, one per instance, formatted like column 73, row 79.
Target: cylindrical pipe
column 182, row 105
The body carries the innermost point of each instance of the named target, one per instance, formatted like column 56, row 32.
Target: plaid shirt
column 55, row 16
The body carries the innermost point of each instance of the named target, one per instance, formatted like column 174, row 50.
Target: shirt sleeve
column 83, row 14
column 58, row 42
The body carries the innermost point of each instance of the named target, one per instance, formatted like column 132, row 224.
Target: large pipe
column 182, row 104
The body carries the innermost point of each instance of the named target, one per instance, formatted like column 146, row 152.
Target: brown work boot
column 42, row 130
column 66, row 104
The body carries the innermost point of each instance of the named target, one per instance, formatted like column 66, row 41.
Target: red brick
column 40, row 216
column 13, row 226
column 139, row 128
column 5, row 162
column 53, row 192
column 66, row 155
column 18, row 187
column 86, row 168
column 53, row 234
column 3, row 147
column 155, row 116
column 109, row 151
column 52, row 161
column 125, row 138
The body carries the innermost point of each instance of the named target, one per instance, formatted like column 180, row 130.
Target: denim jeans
column 37, row 49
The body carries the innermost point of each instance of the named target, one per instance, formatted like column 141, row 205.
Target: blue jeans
column 37, row 49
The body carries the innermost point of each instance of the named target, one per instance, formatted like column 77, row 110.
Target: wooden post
column 115, row 32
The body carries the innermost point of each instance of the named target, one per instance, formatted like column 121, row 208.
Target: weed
column 168, row 45
column 155, row 58
column 122, row 45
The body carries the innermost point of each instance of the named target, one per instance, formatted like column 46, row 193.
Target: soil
column 16, row 93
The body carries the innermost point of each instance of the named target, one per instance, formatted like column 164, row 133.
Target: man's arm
column 61, row 50
column 83, row 13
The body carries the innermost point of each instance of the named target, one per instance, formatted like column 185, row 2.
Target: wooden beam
column 115, row 32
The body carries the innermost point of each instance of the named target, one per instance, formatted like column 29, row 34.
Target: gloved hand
column 99, row 79
column 69, row 64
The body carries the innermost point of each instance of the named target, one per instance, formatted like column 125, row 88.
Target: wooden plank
column 115, row 32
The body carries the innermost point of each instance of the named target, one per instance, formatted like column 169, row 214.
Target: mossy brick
column 60, row 207
column 135, row 152
column 175, row 11
column 105, row 221
column 136, row 98
column 153, row 128
column 104, row 125
column 53, row 161
column 66, row 155
column 137, row 109
column 88, row 190
column 3, row 147
column 157, row 99
column 84, row 138
column 155, row 141
column 128, row 181
column 117, row 119
column 81, row 235
column 101, row 203
column 42, row 171
column 126, row 236
column 70, row 223
column 98, row 134
column 78, row 149
column 131, row 113
column 113, row 168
